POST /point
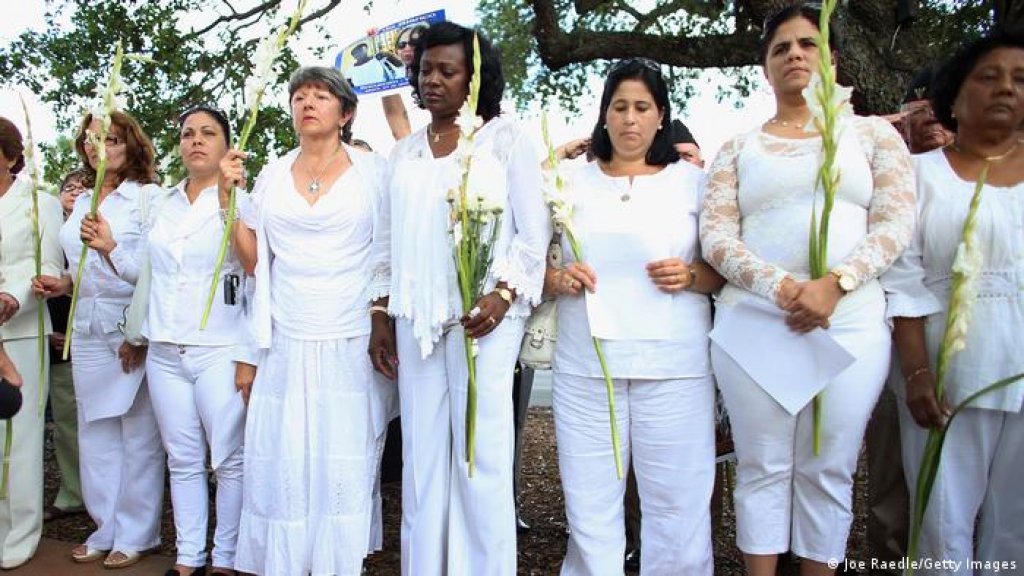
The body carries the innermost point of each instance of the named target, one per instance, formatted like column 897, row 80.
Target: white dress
column 314, row 420
column 754, row 230
column 983, row 456
column 664, row 392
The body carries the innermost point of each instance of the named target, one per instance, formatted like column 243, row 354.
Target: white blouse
column 17, row 254
column 313, row 261
column 183, row 242
column 105, row 291
column 755, row 221
column 666, row 203
column 918, row 283
column 413, row 259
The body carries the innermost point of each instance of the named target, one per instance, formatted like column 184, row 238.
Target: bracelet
column 916, row 373
column 379, row 309
column 223, row 215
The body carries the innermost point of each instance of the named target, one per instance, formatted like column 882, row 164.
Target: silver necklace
column 315, row 185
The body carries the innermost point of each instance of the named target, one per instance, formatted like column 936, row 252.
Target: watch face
column 846, row 283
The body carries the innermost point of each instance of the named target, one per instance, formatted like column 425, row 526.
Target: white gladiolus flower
column 839, row 104
column 262, row 68
column 468, row 121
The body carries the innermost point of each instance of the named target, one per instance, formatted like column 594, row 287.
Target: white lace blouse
column 413, row 260
column 755, row 221
column 918, row 283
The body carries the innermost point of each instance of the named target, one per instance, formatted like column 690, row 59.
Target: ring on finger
column 492, row 320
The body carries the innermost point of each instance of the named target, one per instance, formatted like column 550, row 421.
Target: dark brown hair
column 11, row 144
column 139, row 159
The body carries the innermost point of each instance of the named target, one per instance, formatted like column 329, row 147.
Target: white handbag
column 538, row 346
column 135, row 313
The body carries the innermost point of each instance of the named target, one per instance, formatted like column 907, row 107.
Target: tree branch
column 319, row 13
column 558, row 48
column 258, row 9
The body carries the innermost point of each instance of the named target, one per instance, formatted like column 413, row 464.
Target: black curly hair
column 808, row 11
column 661, row 152
column 950, row 77
column 492, row 79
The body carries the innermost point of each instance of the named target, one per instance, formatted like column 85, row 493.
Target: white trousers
column 451, row 524
column 786, row 497
column 121, row 460
column 21, row 514
column 980, row 474
column 667, row 428
column 197, row 405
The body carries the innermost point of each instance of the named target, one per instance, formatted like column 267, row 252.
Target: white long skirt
column 311, row 457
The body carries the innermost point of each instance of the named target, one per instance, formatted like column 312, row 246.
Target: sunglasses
column 645, row 62
column 215, row 112
column 402, row 44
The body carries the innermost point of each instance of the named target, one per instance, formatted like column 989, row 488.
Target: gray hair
column 332, row 80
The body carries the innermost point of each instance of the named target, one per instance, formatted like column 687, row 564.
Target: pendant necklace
column 315, row 185
column 436, row 136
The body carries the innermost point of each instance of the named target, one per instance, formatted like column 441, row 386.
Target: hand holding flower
column 96, row 234
column 51, row 286
column 489, row 310
column 232, row 173
column 922, row 402
column 814, row 304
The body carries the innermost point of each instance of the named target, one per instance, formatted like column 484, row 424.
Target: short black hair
column 951, row 76
column 492, row 79
column 661, row 152
column 808, row 11
column 217, row 115
column 681, row 134
column 920, row 85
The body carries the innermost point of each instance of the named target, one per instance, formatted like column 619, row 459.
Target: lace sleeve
column 891, row 211
column 720, row 233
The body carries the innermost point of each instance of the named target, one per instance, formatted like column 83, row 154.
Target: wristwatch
column 505, row 294
column 847, row 281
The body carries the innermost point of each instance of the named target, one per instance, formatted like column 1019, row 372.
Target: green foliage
column 64, row 63
column 585, row 36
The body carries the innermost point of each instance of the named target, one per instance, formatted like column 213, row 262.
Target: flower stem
column 99, row 143
column 5, row 482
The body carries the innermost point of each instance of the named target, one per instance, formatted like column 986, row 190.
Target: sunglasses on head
column 645, row 62
column 215, row 112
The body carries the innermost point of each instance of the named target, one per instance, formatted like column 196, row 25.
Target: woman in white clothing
column 754, row 230
column 21, row 513
column 121, row 460
column 638, row 197
column 975, row 511
column 451, row 523
column 191, row 370
column 316, row 414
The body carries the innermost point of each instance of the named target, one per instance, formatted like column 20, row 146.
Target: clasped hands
column 810, row 303
column 669, row 275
